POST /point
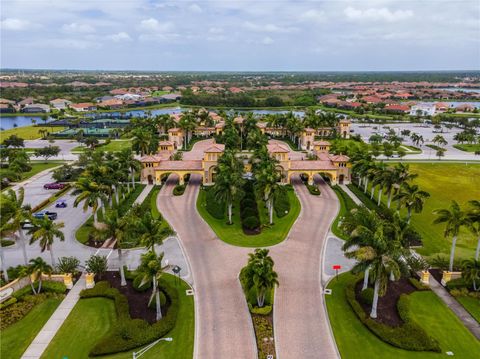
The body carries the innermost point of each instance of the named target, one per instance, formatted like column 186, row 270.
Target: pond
column 20, row 121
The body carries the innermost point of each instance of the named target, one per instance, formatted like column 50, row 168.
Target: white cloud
column 382, row 14
column 313, row 16
column 195, row 8
column 215, row 30
column 119, row 37
column 14, row 24
column 153, row 25
column 74, row 44
column 78, row 28
column 272, row 28
column 267, row 40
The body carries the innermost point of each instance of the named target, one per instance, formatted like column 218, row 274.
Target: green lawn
column 468, row 147
column 233, row 234
column 16, row 338
column 354, row 340
column 28, row 132
column 36, row 168
column 113, row 146
column 89, row 320
column 445, row 182
column 346, row 205
column 183, row 333
column 472, row 305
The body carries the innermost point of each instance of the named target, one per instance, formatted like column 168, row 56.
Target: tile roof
column 194, row 165
column 311, row 165
column 277, row 148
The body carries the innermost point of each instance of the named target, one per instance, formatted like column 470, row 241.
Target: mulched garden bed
column 263, row 325
column 93, row 243
column 387, row 305
column 137, row 301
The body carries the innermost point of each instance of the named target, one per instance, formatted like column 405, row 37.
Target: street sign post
column 336, row 267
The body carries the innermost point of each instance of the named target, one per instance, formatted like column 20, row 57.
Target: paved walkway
column 352, row 195
column 456, row 307
column 47, row 333
column 223, row 328
column 300, row 320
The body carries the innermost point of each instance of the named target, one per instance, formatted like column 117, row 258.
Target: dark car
column 54, row 186
column 51, row 215
column 61, row 203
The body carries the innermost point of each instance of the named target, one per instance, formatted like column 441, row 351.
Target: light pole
column 148, row 347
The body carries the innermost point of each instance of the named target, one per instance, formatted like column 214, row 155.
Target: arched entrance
column 341, row 178
column 150, row 179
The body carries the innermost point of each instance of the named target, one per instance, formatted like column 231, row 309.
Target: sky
column 235, row 35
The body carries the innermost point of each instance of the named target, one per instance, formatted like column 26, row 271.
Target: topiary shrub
column 248, row 203
column 457, row 283
column 265, row 310
column 213, row 206
column 366, row 296
column 251, row 222
column 178, row 190
column 248, row 212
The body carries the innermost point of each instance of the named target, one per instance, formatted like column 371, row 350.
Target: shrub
column 313, row 190
column 8, row 302
column 265, row 310
column 96, row 264
column 15, row 272
column 179, row 189
column 281, row 204
column 68, row 265
column 417, row 284
column 248, row 203
column 136, row 284
column 163, row 301
column 251, row 222
column 463, row 292
column 457, row 283
column 128, row 334
column 47, row 287
column 248, row 212
column 366, row 296
column 408, row 336
column 213, row 206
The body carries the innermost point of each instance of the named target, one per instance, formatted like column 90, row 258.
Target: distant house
column 465, row 108
column 397, row 108
column 423, row 109
column 113, row 104
column 442, row 106
column 128, row 97
column 60, row 103
column 26, row 101
column 6, row 108
column 372, row 99
column 35, row 108
column 170, row 97
column 84, row 106
column 103, row 98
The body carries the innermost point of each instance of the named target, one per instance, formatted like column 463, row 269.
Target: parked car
column 51, row 215
column 54, row 185
column 61, row 203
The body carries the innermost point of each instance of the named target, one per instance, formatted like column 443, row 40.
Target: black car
column 51, row 215
column 61, row 203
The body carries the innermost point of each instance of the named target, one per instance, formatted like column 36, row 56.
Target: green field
column 183, row 333
column 468, row 147
column 354, row 340
column 36, row 168
column 89, row 320
column 28, row 132
column 233, row 234
column 113, row 146
column 472, row 305
column 16, row 338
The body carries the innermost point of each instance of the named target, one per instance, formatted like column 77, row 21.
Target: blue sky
column 240, row 35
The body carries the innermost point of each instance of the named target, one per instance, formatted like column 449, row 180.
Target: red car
column 54, row 186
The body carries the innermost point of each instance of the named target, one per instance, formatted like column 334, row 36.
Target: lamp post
column 148, row 347
column 176, row 270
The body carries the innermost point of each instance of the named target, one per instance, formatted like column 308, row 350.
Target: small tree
column 440, row 153
column 68, row 265
column 37, row 267
column 47, row 152
column 13, row 141
column 471, row 272
column 96, row 264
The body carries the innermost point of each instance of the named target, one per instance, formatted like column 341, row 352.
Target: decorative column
column 67, row 280
column 89, row 280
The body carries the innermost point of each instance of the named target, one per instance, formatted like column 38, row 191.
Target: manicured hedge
column 281, row 203
column 249, row 214
column 179, row 189
column 213, row 206
column 47, row 287
column 313, row 189
column 458, row 283
column 418, row 285
column 408, row 336
column 128, row 333
column 251, row 222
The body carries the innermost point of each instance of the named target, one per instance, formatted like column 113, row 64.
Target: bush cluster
column 248, row 208
column 408, row 336
column 366, row 296
column 128, row 333
column 417, row 284
column 313, row 189
column 47, row 287
column 281, row 203
column 457, row 283
column 179, row 189
column 215, row 207
column 251, row 298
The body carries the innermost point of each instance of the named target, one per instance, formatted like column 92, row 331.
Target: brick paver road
column 223, row 325
column 301, row 327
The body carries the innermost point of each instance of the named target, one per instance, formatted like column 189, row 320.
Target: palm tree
column 128, row 163
column 45, row 231
column 151, row 269
column 388, row 181
column 151, row 231
column 92, row 195
column 36, row 268
column 471, row 272
column 18, row 214
column 382, row 255
column 412, row 198
column 268, row 177
column 228, row 181
column 260, row 275
column 454, row 219
column 474, row 217
column 187, row 123
column 118, row 229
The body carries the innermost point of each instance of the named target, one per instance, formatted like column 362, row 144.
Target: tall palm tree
column 471, row 272
column 128, row 163
column 260, row 275
column 151, row 269
column 228, row 181
column 37, row 267
column 268, row 177
column 151, row 231
column 402, row 175
column 454, row 219
column 92, row 195
column 474, row 219
column 45, row 231
column 382, row 255
column 187, row 123
column 118, row 229
column 388, row 180
column 18, row 213
column 412, row 198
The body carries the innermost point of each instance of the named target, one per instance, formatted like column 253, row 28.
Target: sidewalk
column 351, row 194
column 141, row 197
column 47, row 333
column 456, row 307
